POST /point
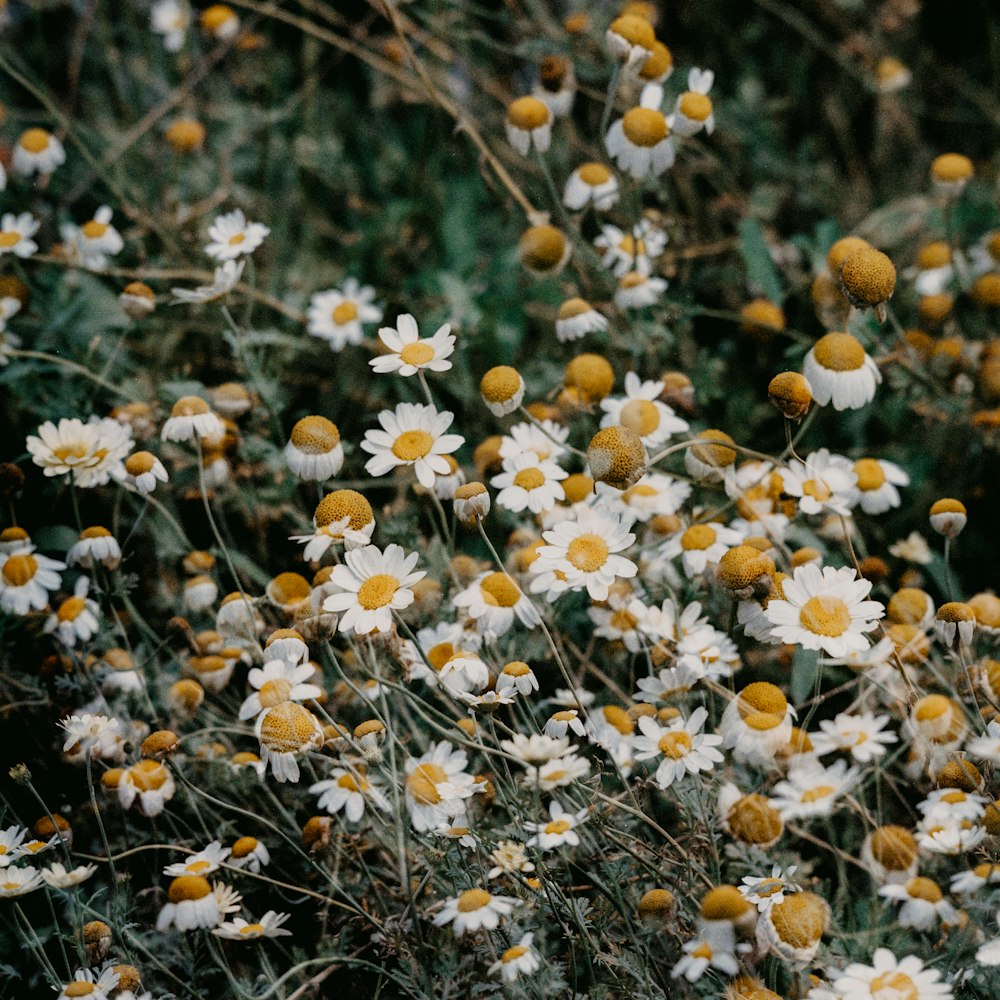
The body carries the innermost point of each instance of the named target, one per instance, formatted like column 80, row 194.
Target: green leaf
column 762, row 277
column 805, row 674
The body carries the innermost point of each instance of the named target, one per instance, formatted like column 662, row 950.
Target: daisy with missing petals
column 575, row 319
column 238, row 929
column 413, row 434
column 637, row 291
column 877, row 482
column 192, row 902
column 493, row 601
column 341, row 516
column 529, row 123
column 143, row 470
column 559, row 831
column 528, row 482
column 769, row 890
column 16, row 232
column 97, row 239
column 88, row 983
column 26, row 580
column 889, row 978
column 275, row 682
column 591, row 184
column 863, row 736
column 204, row 862
column 75, row 620
column 840, row 371
column 640, row 410
column 812, row 790
column 314, row 450
column 635, row 251
column 351, row 790
column 685, row 749
column 57, row 876
column 701, row 954
column 373, row 584
column 518, row 960
column 337, row 316
column 150, row 783
column 473, row 910
column 225, row 278
column 700, row 546
column 232, row 236
column 585, row 551
column 923, row 903
column 757, row 723
column 822, row 483
column 37, row 150
column 285, row 732
column 91, row 452
column 694, row 110
column 408, row 353
column 640, row 142
column 191, row 417
column 826, row 610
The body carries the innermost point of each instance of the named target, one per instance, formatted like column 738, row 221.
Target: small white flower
column 408, row 353
column 529, row 482
column 232, row 236
column 640, row 410
column 224, row 280
column 889, row 978
column 37, row 151
column 275, row 682
column 350, row 790
column 473, row 910
column 238, row 929
column 171, row 19
column 812, row 790
column 57, row 876
column 559, row 831
column 412, row 435
column 694, row 111
column 91, row 984
column 640, row 141
column 518, row 960
column 638, row 291
column 204, row 862
column 862, row 735
column 591, row 184
column 91, row 452
column 767, row 891
column 337, row 316
column 684, row 748
column 840, row 371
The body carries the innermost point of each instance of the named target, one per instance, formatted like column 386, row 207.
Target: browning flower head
column 544, row 250
column 791, row 394
column 868, row 278
column 617, row 456
column 340, row 504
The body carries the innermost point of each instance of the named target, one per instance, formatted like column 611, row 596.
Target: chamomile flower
column 533, row 749
column 812, row 790
column 37, row 151
column 88, row 983
column 412, row 435
column 701, row 954
column 275, row 682
column 473, row 910
column 757, row 723
column 528, row 482
column 923, row 903
column 518, row 960
column 987, row 746
column 766, row 891
column 546, row 440
column 19, row 881
column 95, row 544
column 840, row 371
column 585, row 552
column 314, row 451
column 338, row 316
column 26, row 579
column 343, row 516
column 100, row 735
column 90, row 452
column 249, row 853
column 97, row 239
column 973, row 879
column 792, row 929
column 437, row 786
column 192, row 902
column 57, row 876
column 826, row 610
column 143, row 471
column 285, row 732
column 238, row 929
column 224, row 279
column 494, row 601
column 557, row 773
column 529, row 124
column 877, row 482
column 630, row 39
column 172, row 19
column 823, row 482
column 203, row 862
column 862, row 735
column 684, row 748
column 232, row 236
column 408, row 353
column 694, row 110
column 640, row 142
column 148, row 782
column 633, row 251
column 191, row 417
column 373, row 584
column 700, row 546
column 562, row 722
column 641, row 410
column 576, row 318
column 350, row 790
column 638, row 291
column 559, row 831
column 888, row 978
column 10, row 841
column 591, row 184
column 75, row 620
column 16, row 232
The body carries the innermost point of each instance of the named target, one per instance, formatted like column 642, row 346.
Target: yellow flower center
column 695, row 106
column 587, row 553
column 252, row 929
column 703, row 951
column 148, row 775
column 94, row 230
column 894, row 986
column 79, row 988
column 417, row 353
column 197, row 867
column 527, row 113
column 287, row 728
column 473, row 899
column 870, row 474
column 762, row 697
column 411, row 445
column 513, row 954
column 501, row 383
column 422, row 784
column 675, row 745
column 698, row 537
column 818, row 793
column 9, row 238
column 645, row 127
column 351, row 783
column 594, row 174
column 188, row 887
column 825, row 616
column 924, row 888
column 769, row 888
column 641, row 416
column 70, row 609
column 817, row 489
column 344, row 503
column 839, row 352
column 345, row 313
column 19, row 570
column 35, row 140
column 529, row 479
column 558, row 826
column 274, row 692
column 377, row 591
column 499, row 590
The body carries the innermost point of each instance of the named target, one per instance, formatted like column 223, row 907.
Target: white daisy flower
column 373, row 584
column 533, row 749
column 351, row 790
column 889, row 978
column 225, row 278
column 529, row 482
column 91, row 452
column 232, row 236
column 337, row 316
column 95, row 544
column 640, row 410
column 37, row 151
column 974, row 879
column 26, row 580
column 409, row 354
column 576, row 318
column 204, row 862
column 667, row 685
column 862, row 735
column 285, row 732
column 685, row 749
column 171, row 19
column 343, row 516
column 76, row 618
column 952, row 804
column 630, row 40
column 88, row 983
column 949, row 837
column 546, row 441
column 877, row 482
column 585, row 553
column 637, row 291
column 825, row 610
column 923, row 903
column 562, row 722
column 191, row 417
column 591, row 184
column 150, row 783
column 249, row 853
column 634, row 251
column 824, row 482
column 98, row 239
column 314, row 451
column 493, row 601
column 57, row 876
column 238, row 929
column 518, row 960
column 278, row 681
column 640, row 141
column 10, row 841
column 192, row 903
column 557, row 773
column 654, row 494
column 757, row 723
column 812, row 790
column 766, row 891
column 412, row 435
column 19, row 881
column 473, row 910
column 840, row 371
column 220, row 21
column 694, row 110
column 987, row 746
column 437, row 786
column 700, row 954
column 559, row 831
column 700, row 546
column 529, row 123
